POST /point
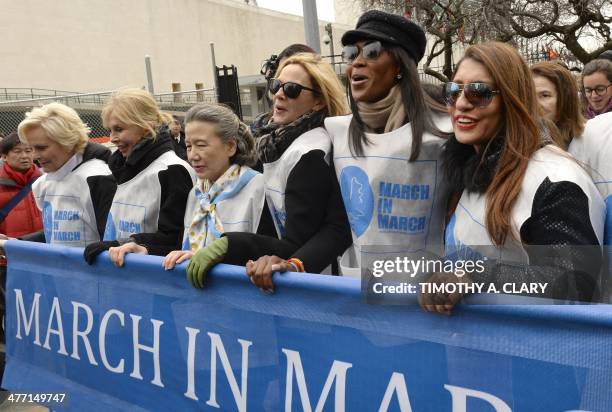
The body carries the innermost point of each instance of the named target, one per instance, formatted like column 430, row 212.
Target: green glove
column 204, row 259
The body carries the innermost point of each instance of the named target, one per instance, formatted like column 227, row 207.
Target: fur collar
column 465, row 169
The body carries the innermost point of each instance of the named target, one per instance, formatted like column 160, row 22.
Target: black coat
column 175, row 183
column 179, row 146
column 317, row 230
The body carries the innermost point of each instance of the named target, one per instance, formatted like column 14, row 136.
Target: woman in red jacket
column 17, row 171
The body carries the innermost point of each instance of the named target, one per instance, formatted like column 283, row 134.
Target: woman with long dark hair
column 525, row 207
column 386, row 154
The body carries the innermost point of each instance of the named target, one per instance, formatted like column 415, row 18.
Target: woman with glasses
column 597, row 87
column 557, row 93
column 526, row 209
column 301, row 190
column 386, row 154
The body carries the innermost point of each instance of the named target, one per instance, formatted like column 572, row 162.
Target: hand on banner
column 117, row 254
column 204, row 259
column 442, row 302
column 175, row 257
column 260, row 272
column 94, row 249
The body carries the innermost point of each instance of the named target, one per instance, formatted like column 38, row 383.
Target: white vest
column 67, row 209
column 466, row 234
column 594, row 151
column 390, row 201
column 239, row 213
column 137, row 202
column 277, row 173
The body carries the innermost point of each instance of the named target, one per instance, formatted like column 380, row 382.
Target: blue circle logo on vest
column 47, row 217
column 110, row 232
column 358, row 198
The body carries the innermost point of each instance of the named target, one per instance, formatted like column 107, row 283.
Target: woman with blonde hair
column 77, row 189
column 557, row 93
column 301, row 189
column 146, row 216
column 525, row 208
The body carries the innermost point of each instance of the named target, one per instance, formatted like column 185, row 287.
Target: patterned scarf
column 274, row 138
column 205, row 224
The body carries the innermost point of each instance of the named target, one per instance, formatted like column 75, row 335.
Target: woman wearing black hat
column 386, row 153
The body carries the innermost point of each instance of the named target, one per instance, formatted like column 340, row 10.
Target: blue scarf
column 205, row 224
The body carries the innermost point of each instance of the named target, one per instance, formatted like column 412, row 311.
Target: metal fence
column 7, row 94
column 14, row 103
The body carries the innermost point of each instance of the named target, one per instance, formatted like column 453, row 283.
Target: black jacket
column 179, row 146
column 175, row 182
column 316, row 228
column 558, row 237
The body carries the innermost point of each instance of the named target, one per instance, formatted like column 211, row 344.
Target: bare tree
column 558, row 21
column 547, row 23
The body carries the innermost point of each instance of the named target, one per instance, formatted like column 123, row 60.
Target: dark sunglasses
column 478, row 94
column 370, row 51
column 291, row 90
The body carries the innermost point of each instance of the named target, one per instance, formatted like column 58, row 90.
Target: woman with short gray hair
column 228, row 195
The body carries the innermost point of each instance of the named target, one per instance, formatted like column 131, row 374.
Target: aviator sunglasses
column 478, row 94
column 370, row 51
column 291, row 90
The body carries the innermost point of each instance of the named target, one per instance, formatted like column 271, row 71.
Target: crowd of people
column 501, row 156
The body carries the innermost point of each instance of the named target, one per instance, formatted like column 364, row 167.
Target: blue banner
column 141, row 338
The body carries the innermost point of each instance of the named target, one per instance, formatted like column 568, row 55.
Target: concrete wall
column 97, row 45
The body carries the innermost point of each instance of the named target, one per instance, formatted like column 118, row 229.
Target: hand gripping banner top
column 141, row 338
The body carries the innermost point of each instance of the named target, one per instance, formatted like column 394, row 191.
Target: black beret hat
column 389, row 28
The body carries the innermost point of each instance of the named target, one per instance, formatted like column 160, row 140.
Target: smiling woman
column 524, row 206
column 76, row 192
column 146, row 216
column 597, row 87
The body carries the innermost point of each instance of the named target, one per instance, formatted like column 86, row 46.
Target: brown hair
column 570, row 119
column 521, row 125
column 597, row 65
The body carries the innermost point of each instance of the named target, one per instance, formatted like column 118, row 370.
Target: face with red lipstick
column 472, row 124
column 371, row 78
column 288, row 109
